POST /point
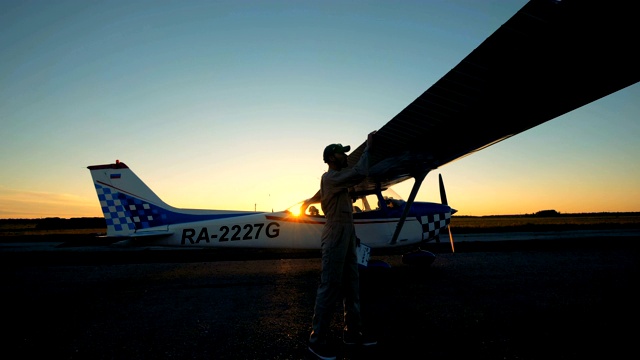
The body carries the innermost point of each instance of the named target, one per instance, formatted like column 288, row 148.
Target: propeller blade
column 443, row 194
column 451, row 239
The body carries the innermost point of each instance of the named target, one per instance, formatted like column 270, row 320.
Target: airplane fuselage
column 280, row 230
column 135, row 214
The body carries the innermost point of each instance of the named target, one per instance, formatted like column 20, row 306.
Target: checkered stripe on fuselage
column 431, row 228
column 126, row 213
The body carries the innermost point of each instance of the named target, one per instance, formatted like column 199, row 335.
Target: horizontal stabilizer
column 140, row 234
column 153, row 233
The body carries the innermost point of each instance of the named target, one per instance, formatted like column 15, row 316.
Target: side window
column 364, row 204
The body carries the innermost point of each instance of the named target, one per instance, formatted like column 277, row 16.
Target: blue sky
column 228, row 105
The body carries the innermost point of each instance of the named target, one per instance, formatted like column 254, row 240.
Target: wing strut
column 414, row 191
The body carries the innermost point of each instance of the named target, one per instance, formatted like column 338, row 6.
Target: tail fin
column 128, row 204
column 132, row 209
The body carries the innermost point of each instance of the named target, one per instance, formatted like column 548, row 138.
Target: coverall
column 339, row 274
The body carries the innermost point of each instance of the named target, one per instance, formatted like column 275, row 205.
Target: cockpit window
column 365, row 203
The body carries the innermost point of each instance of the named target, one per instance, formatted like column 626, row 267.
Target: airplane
column 136, row 215
column 549, row 58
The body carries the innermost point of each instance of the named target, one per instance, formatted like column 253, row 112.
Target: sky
column 229, row 104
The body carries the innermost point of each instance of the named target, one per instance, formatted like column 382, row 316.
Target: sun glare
column 295, row 211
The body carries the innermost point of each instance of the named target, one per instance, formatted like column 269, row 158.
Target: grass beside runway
column 461, row 224
column 557, row 222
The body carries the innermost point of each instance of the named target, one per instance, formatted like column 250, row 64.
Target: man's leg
column 330, row 278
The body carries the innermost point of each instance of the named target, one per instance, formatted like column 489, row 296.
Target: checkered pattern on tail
column 125, row 214
column 434, row 222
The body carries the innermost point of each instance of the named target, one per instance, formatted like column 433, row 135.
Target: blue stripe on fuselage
column 125, row 211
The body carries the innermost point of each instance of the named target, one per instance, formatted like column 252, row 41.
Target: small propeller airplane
column 549, row 58
column 134, row 213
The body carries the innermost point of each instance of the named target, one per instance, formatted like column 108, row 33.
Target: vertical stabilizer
column 132, row 209
column 128, row 204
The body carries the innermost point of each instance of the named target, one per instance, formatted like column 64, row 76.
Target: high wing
column 550, row 58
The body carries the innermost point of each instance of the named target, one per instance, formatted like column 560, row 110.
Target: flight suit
column 339, row 274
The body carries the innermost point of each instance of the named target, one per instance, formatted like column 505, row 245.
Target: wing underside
column 550, row 58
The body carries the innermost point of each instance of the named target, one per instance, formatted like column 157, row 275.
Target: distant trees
column 73, row 223
column 547, row 213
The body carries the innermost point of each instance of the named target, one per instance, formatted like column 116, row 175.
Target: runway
column 531, row 299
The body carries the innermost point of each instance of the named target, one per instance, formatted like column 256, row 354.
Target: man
column 339, row 274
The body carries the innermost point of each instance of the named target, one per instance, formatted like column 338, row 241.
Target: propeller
column 451, row 239
column 443, row 200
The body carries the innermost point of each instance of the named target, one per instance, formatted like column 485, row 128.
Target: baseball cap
column 334, row 148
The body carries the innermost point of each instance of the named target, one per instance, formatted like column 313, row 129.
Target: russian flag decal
column 114, row 176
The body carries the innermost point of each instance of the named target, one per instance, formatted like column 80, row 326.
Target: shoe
column 357, row 339
column 322, row 351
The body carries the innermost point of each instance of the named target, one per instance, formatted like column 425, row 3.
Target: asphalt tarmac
column 549, row 299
